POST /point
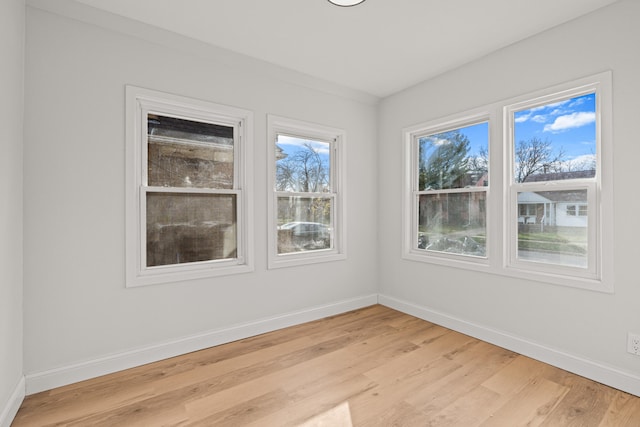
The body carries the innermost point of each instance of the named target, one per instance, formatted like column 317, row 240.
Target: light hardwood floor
column 370, row 367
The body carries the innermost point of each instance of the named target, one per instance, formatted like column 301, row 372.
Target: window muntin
column 187, row 203
column 452, row 178
column 306, row 211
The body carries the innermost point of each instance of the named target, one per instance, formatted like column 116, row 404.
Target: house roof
column 560, row 176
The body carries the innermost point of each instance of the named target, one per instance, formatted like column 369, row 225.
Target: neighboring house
column 554, row 208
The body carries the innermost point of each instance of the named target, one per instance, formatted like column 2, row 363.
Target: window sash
column 332, row 198
column 239, row 233
column 443, row 254
column 515, row 262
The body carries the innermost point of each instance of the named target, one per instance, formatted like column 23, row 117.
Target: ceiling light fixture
column 346, row 3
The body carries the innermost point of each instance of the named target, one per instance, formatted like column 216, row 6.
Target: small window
column 307, row 210
column 187, row 198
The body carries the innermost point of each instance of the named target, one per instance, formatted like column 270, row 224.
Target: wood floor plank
column 530, row 406
column 469, row 410
column 374, row 405
column 478, row 363
column 624, row 411
column 369, row 367
column 584, row 405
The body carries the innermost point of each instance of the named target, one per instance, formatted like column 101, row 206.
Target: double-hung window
column 306, row 182
column 545, row 214
column 449, row 181
column 554, row 183
column 187, row 200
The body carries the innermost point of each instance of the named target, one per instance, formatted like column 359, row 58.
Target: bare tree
column 285, row 174
column 536, row 156
column 303, row 171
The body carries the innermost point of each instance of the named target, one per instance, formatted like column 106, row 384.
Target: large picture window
column 187, row 199
column 539, row 207
column 306, row 212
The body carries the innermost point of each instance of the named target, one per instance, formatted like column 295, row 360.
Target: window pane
column 302, row 165
column 304, row 224
column 455, row 159
column 453, row 223
column 556, row 141
column 554, row 230
column 184, row 228
column 185, row 153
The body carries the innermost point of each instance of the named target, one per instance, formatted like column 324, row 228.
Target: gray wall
column 11, row 111
column 77, row 306
column 585, row 324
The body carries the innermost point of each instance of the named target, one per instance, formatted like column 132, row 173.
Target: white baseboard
column 13, row 404
column 46, row 380
column 612, row 377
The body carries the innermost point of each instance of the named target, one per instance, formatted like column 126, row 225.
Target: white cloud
column 583, row 162
column 571, row 121
column 298, row 143
column 434, row 141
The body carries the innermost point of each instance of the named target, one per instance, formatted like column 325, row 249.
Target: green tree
column 444, row 161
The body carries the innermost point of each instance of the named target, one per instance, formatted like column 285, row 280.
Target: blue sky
column 570, row 124
column 290, row 145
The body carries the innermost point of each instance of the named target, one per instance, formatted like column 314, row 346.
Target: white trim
column 52, row 378
column 11, row 407
column 277, row 125
column 140, row 102
column 625, row 381
column 46, row 380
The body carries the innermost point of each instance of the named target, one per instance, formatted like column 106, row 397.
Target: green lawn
column 552, row 242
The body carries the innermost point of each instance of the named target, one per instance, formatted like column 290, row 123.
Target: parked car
column 308, row 234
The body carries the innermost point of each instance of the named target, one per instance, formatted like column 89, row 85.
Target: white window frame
column 277, row 125
column 502, row 207
column 597, row 209
column 411, row 197
column 139, row 103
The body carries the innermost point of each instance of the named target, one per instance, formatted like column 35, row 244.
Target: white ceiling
column 379, row 47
